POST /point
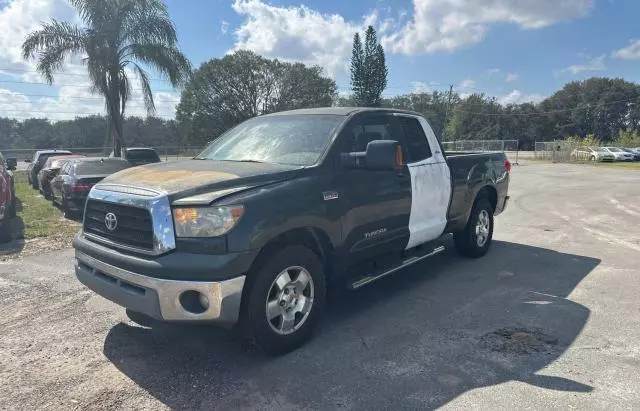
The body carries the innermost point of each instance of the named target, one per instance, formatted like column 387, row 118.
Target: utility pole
column 446, row 113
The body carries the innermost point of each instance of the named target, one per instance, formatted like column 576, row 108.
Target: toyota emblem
column 111, row 221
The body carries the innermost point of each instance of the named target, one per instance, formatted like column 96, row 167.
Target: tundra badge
column 330, row 195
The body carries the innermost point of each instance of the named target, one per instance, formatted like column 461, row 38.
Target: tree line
column 118, row 37
column 224, row 92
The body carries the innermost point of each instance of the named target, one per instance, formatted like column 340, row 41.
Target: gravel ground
column 549, row 319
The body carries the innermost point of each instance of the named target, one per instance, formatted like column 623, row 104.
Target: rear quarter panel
column 470, row 173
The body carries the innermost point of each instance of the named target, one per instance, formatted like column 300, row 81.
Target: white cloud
column 493, row 71
column 466, row 84
column 517, row 97
column 595, row 64
column 224, row 27
column 631, row 52
column 70, row 94
column 423, row 87
column 450, row 24
column 511, row 77
column 17, row 19
column 297, row 33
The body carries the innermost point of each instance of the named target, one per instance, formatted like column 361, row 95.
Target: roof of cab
column 340, row 111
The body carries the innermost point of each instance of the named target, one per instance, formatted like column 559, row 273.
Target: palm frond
column 147, row 94
column 53, row 43
column 124, row 90
column 167, row 61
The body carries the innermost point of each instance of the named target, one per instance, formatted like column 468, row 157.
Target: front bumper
column 162, row 299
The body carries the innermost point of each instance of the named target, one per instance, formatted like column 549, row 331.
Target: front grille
column 134, row 227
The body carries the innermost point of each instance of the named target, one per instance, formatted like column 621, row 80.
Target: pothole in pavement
column 515, row 340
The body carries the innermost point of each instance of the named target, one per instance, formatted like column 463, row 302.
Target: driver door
column 378, row 202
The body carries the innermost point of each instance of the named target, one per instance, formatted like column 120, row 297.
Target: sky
column 515, row 50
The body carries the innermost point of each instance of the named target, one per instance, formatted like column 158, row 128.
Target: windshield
column 288, row 139
column 615, row 150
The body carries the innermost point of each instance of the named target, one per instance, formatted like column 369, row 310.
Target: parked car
column 253, row 228
column 138, row 156
column 635, row 152
column 35, row 165
column 69, row 189
column 618, row 153
column 7, row 197
column 591, row 154
column 50, row 170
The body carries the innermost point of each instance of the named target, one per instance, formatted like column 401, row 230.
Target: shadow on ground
column 418, row 339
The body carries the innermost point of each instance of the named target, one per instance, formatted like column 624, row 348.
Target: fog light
column 204, row 301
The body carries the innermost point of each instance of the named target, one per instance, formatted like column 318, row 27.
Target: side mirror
column 12, row 163
column 380, row 155
column 27, row 161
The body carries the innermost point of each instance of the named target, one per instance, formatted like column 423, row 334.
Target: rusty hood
column 192, row 177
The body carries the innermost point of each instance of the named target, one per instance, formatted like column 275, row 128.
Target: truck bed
column 468, row 169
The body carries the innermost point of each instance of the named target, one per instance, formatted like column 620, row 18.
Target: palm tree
column 117, row 36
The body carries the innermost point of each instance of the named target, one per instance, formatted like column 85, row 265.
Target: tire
column 473, row 241
column 293, row 319
column 5, row 231
column 12, row 209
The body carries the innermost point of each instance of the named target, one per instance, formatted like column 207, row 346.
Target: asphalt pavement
column 550, row 318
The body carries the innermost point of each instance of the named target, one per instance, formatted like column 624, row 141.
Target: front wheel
column 286, row 300
column 474, row 241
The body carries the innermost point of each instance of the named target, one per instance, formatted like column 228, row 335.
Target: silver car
column 591, row 154
column 619, row 154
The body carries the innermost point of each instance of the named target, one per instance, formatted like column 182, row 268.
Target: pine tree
column 368, row 70
column 357, row 70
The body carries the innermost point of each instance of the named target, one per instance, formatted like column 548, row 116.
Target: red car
column 7, row 198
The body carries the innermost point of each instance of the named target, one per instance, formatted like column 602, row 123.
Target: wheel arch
column 314, row 238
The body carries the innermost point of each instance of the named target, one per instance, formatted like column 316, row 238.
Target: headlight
column 206, row 221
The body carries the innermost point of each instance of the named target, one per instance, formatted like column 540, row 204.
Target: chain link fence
column 562, row 151
column 509, row 147
column 167, row 153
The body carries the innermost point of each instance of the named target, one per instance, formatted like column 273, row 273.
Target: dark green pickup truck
column 252, row 230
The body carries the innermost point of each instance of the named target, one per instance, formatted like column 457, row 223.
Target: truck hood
column 182, row 179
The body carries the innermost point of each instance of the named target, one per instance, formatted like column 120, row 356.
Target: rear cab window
column 371, row 127
column 417, row 144
column 149, row 155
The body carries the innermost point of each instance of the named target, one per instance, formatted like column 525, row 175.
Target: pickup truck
column 250, row 232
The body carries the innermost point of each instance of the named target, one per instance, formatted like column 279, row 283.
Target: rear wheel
column 474, row 241
column 286, row 300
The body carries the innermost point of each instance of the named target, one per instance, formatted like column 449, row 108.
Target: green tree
column 224, row 92
column 369, row 70
column 116, row 35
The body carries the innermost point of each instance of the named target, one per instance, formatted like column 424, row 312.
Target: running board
column 368, row 279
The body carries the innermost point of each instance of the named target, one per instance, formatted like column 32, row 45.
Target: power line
column 93, row 98
column 542, row 113
column 62, row 73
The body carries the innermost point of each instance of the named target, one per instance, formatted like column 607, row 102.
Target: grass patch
column 37, row 217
